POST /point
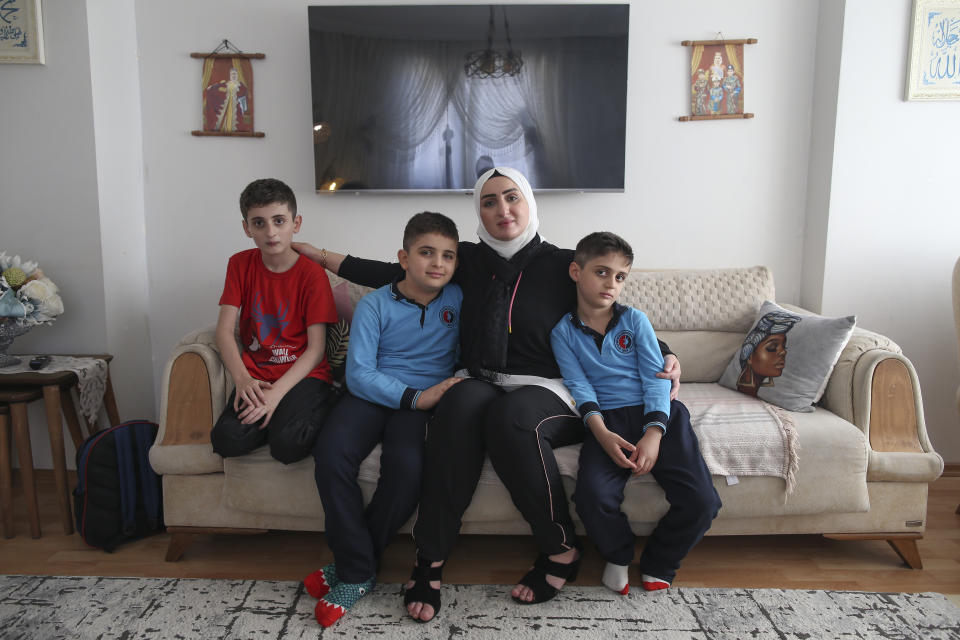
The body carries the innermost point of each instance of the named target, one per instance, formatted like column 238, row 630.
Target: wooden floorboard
column 788, row 561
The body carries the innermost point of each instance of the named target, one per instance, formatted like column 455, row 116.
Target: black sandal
column 421, row 591
column 536, row 578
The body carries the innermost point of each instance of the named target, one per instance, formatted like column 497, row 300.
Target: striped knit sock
column 335, row 604
column 319, row 583
column 615, row 577
column 653, row 584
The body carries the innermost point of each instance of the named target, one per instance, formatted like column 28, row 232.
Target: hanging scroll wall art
column 227, row 92
column 716, row 79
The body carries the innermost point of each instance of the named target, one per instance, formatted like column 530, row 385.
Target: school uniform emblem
column 448, row 316
column 624, row 341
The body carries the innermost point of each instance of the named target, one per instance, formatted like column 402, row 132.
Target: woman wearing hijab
column 514, row 407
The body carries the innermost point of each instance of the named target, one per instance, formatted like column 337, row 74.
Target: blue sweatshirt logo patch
column 448, row 316
column 624, row 341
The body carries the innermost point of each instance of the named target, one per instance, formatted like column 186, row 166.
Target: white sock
column 616, row 578
column 651, row 583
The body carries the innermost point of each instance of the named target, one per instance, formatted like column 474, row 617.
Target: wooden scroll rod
column 726, row 116
column 255, row 56
column 707, row 43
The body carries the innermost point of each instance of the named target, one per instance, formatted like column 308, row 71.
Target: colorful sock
column 344, row 595
column 616, row 578
column 653, row 584
column 319, row 583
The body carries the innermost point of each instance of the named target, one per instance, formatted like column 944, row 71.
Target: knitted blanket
column 740, row 435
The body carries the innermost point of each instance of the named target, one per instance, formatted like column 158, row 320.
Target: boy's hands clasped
column 614, row 445
column 642, row 456
column 645, row 454
column 255, row 400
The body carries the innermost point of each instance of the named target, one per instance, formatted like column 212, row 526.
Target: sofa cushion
column 786, row 357
column 704, row 355
column 699, row 299
column 831, row 478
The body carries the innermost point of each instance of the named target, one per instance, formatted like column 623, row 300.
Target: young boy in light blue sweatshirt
column 403, row 347
column 609, row 357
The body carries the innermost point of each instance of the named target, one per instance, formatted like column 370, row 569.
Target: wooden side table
column 13, row 404
column 55, row 387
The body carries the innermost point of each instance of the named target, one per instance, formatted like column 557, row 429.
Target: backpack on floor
column 118, row 493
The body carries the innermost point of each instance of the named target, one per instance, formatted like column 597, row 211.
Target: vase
column 9, row 329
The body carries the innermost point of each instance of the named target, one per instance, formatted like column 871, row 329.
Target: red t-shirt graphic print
column 275, row 311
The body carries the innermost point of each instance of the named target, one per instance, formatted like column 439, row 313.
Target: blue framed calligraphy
column 21, row 31
column 934, row 69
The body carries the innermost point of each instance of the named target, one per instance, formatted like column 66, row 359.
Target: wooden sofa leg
column 182, row 537
column 179, row 542
column 906, row 548
column 905, row 544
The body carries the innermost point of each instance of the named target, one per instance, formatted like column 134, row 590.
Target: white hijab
column 507, row 248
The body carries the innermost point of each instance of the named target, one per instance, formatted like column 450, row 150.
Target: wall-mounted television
column 427, row 97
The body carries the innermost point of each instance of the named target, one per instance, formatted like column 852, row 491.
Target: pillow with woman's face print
column 787, row 357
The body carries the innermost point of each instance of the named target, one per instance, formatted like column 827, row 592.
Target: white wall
column 698, row 194
column 48, row 181
column 894, row 222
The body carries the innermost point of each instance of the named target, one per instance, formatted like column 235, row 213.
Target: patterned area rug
column 141, row 608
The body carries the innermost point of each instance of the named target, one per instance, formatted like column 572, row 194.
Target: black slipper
column 536, row 578
column 421, row 591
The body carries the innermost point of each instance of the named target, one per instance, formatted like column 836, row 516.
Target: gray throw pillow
column 787, row 357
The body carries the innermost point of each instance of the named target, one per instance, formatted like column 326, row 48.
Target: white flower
column 38, row 290
column 39, row 294
column 52, row 306
column 14, row 261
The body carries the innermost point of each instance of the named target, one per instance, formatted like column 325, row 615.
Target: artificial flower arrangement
column 27, row 296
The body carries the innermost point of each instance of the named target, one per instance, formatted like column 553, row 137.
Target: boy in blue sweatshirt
column 609, row 357
column 403, row 347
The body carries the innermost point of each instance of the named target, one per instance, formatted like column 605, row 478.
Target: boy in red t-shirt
column 283, row 301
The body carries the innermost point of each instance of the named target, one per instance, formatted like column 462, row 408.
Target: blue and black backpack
column 118, row 493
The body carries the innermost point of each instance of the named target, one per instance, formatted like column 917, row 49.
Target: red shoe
column 654, row 584
column 332, row 607
column 319, row 583
column 327, row 613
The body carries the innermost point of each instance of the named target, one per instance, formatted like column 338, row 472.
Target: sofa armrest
column 196, row 387
column 875, row 387
column 838, row 396
column 888, row 408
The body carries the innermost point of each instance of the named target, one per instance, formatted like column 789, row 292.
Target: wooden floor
column 789, row 562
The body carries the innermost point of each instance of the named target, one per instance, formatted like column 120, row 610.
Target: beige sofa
column 860, row 468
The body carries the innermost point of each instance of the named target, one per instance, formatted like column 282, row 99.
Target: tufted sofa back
column 703, row 314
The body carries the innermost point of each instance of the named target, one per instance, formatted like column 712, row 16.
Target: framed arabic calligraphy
column 21, row 31
column 934, row 69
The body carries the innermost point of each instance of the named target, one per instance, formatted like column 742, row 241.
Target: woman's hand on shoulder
column 306, row 249
column 671, row 372
column 326, row 259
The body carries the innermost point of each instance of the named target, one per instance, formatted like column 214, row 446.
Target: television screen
column 427, row 97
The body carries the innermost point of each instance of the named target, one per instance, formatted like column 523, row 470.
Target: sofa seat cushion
column 831, row 478
column 259, row 484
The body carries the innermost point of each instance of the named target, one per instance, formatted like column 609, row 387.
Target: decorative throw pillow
column 787, row 357
column 338, row 334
